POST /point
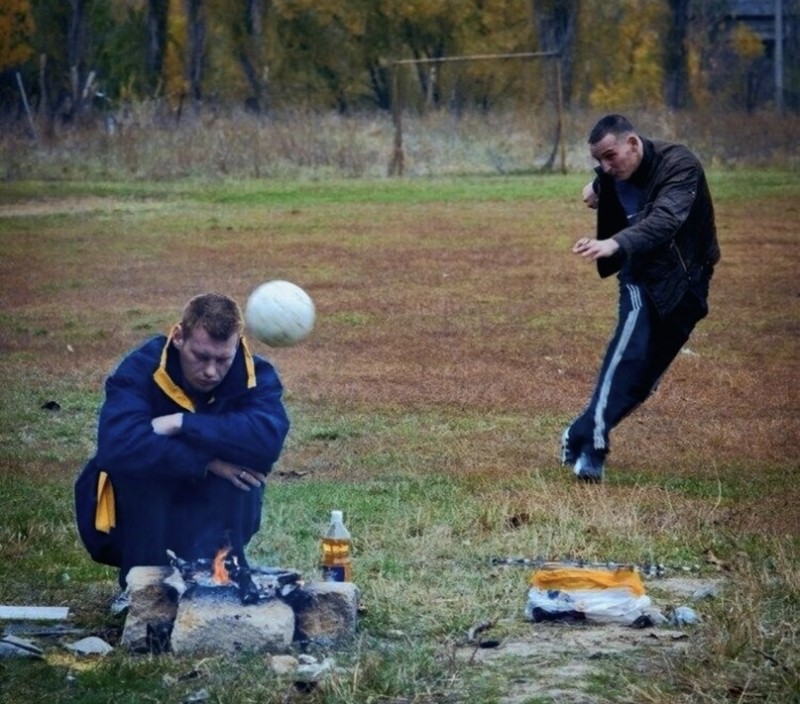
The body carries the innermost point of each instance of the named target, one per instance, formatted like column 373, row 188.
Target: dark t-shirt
column 632, row 199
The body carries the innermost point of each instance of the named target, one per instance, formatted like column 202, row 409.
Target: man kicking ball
column 656, row 231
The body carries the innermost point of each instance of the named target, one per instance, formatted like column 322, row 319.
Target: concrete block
column 214, row 621
column 154, row 604
column 325, row 612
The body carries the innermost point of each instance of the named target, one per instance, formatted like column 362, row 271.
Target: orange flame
column 220, row 574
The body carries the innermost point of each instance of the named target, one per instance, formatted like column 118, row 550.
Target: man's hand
column 241, row 477
column 589, row 197
column 592, row 250
column 168, row 425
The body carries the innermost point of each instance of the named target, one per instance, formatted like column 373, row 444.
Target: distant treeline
column 67, row 57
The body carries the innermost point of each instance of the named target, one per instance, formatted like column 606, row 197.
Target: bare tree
column 250, row 52
column 76, row 49
column 556, row 22
column 196, row 30
column 676, row 67
column 157, row 11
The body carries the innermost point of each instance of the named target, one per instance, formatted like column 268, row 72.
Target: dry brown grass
column 471, row 306
column 454, row 339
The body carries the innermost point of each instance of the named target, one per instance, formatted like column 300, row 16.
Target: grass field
column 456, row 336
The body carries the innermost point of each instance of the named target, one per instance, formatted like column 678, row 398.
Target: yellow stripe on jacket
column 105, row 517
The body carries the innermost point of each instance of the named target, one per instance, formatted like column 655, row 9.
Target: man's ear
column 177, row 336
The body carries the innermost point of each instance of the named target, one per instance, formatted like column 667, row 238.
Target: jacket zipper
column 680, row 257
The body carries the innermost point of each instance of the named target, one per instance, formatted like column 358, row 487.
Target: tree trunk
column 380, row 77
column 251, row 54
column 157, row 11
column 556, row 22
column 196, row 32
column 76, row 48
column 676, row 67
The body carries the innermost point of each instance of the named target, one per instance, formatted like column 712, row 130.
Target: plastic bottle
column 337, row 545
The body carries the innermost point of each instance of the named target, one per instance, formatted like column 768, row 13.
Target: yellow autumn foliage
column 16, row 29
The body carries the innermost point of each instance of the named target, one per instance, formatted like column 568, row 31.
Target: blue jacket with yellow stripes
column 243, row 422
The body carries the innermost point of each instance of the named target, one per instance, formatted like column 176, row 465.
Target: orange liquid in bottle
column 337, row 546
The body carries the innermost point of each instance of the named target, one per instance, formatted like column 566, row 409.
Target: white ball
column 279, row 313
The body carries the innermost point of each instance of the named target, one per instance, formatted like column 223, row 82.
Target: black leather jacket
column 673, row 241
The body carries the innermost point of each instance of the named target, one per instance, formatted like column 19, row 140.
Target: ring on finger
column 241, row 474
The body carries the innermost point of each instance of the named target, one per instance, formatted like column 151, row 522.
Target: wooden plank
column 34, row 613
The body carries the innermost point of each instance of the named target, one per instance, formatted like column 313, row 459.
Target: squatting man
column 190, row 426
column 656, row 231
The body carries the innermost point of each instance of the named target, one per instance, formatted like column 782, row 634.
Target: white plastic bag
column 609, row 605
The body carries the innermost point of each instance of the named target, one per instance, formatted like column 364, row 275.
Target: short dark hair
column 219, row 315
column 610, row 124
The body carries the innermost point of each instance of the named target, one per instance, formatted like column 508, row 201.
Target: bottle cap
column 337, row 516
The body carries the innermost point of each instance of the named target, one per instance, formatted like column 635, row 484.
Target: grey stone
column 327, row 612
column 213, row 620
column 153, row 607
column 283, row 664
column 683, row 616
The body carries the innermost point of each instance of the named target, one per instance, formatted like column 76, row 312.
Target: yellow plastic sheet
column 570, row 578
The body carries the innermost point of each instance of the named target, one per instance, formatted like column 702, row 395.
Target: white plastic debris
column 13, row 647
column 313, row 672
column 612, row 605
column 90, row 646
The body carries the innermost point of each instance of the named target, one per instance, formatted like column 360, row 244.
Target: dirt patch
column 558, row 660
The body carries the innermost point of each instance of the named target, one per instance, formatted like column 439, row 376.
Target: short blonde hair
column 218, row 314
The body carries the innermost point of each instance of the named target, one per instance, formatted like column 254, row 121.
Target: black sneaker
column 589, row 469
column 568, row 456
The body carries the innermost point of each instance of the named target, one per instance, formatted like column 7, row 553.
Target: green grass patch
column 455, row 338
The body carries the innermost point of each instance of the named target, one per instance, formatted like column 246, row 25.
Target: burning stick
column 231, row 569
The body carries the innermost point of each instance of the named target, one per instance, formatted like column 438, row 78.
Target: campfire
column 221, row 604
column 228, row 570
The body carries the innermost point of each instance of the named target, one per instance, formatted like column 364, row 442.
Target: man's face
column 204, row 360
column 619, row 156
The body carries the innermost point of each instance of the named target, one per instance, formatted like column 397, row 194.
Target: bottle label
column 336, row 562
column 337, row 573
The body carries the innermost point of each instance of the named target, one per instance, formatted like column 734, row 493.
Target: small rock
column 683, row 616
column 283, row 664
column 326, row 611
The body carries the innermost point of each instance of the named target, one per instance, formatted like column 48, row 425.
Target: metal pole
column 396, row 164
column 560, row 102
